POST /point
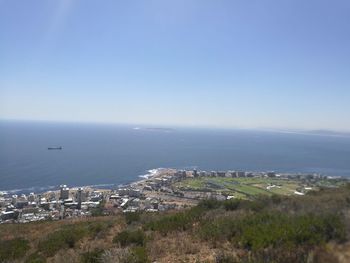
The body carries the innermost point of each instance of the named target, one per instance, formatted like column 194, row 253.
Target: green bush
column 279, row 255
column 68, row 235
column 126, row 238
column 139, row 255
column 219, row 229
column 231, row 204
column 256, row 205
column 209, row 204
column 225, row 258
column 35, row 258
column 98, row 211
column 180, row 221
column 92, row 256
column 13, row 249
column 276, row 199
column 268, row 229
column 64, row 238
column 131, row 217
column 96, row 228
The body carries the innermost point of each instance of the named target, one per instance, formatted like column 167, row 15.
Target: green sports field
column 240, row 187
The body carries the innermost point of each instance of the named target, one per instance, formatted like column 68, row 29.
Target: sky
column 218, row 63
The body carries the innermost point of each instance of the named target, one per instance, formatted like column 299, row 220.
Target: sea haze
column 115, row 154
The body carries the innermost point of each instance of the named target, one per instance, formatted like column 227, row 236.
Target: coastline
column 43, row 189
column 161, row 189
column 151, row 174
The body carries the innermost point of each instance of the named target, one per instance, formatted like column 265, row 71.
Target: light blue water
column 112, row 154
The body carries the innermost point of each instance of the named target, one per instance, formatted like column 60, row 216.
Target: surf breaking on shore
column 151, row 173
column 41, row 189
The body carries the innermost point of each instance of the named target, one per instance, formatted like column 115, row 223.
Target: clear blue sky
column 233, row 63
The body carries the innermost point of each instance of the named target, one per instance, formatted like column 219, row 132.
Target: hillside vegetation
column 310, row 228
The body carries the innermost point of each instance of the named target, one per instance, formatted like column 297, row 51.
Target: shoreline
column 151, row 173
column 160, row 189
column 43, row 189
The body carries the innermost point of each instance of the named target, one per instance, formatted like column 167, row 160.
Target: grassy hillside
column 310, row 228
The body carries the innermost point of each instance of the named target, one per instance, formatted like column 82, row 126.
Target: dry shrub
column 225, row 257
column 340, row 251
column 321, row 255
column 66, row 256
column 178, row 243
column 120, row 255
column 179, row 247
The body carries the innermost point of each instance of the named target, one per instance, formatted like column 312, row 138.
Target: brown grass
column 179, row 247
column 34, row 232
column 184, row 246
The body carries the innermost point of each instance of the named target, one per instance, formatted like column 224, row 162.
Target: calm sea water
column 112, row 154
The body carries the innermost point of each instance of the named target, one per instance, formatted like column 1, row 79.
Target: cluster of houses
column 138, row 196
column 60, row 204
column 153, row 194
column 130, row 199
column 240, row 174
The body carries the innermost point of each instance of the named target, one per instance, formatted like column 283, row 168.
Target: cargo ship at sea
column 55, row 148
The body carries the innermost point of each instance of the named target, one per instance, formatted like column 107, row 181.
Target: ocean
column 111, row 155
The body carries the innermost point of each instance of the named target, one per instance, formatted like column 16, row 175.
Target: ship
column 55, row 148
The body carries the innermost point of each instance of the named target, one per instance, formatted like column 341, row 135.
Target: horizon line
column 314, row 131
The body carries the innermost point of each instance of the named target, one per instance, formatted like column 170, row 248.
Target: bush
column 219, row 229
column 231, row 204
column 35, row 258
column 13, row 249
column 225, row 258
column 126, row 238
column 276, row 199
column 64, row 238
column 98, row 211
column 131, row 217
column 120, row 255
column 180, row 221
column 256, row 205
column 96, row 228
column 68, row 235
column 264, row 230
column 92, row 256
column 279, row 255
column 209, row 204
column 139, row 255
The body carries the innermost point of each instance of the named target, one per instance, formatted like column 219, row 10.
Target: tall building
column 79, row 197
column 64, row 192
column 271, row 174
column 240, row 174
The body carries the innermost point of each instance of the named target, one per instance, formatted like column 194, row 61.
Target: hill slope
column 311, row 228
